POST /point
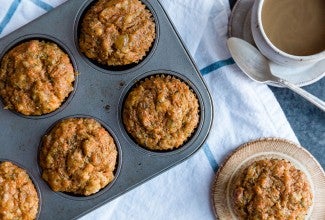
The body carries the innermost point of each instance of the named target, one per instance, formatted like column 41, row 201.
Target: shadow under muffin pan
column 100, row 94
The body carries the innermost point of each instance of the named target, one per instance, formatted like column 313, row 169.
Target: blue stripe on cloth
column 13, row 7
column 211, row 159
column 216, row 65
column 42, row 5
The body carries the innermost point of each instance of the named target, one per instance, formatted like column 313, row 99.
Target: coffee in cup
column 290, row 32
column 296, row 27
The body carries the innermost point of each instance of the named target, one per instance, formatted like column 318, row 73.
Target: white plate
column 239, row 26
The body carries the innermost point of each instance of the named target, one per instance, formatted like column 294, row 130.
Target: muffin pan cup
column 32, row 178
column 99, row 93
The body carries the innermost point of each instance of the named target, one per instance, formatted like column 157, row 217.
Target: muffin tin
column 99, row 93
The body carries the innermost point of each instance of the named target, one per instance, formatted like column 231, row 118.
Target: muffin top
column 272, row 189
column 161, row 113
column 78, row 156
column 117, row 32
column 35, row 78
column 18, row 196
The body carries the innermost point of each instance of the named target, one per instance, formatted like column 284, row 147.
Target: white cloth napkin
column 243, row 111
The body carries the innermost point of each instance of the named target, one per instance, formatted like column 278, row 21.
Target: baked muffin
column 272, row 189
column 18, row 196
column 78, row 156
column 161, row 113
column 35, row 78
column 117, row 32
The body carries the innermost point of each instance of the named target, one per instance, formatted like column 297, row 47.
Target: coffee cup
column 289, row 32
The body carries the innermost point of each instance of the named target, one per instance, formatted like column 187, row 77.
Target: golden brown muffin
column 35, row 78
column 117, row 32
column 272, row 189
column 161, row 113
column 18, row 196
column 78, row 156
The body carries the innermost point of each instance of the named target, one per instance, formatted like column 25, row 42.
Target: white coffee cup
column 272, row 52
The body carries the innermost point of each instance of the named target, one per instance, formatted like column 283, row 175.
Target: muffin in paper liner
column 78, row 156
column 19, row 197
column 161, row 112
column 36, row 77
column 117, row 32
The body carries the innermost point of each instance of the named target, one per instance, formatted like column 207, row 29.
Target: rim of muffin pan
column 65, row 49
column 118, row 69
column 32, row 178
column 116, row 172
column 138, row 80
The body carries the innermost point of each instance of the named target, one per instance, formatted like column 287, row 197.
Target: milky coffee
column 296, row 27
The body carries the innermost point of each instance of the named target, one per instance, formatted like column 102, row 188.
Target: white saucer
column 239, row 26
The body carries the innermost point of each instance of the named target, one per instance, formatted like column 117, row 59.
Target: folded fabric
column 243, row 111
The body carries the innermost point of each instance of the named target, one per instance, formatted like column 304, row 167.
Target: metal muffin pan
column 99, row 93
